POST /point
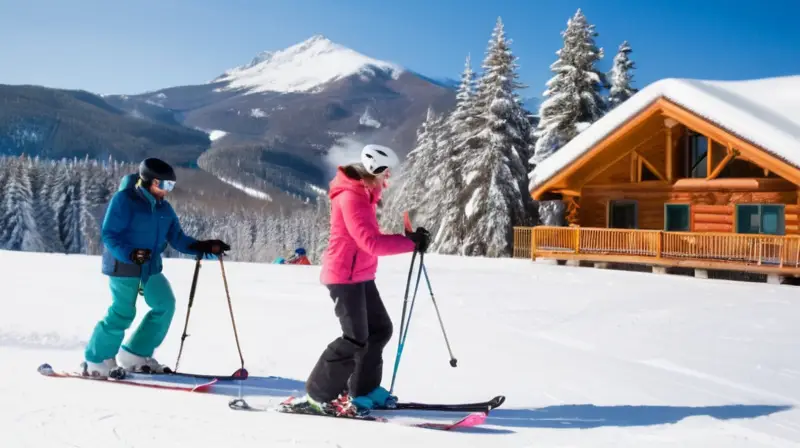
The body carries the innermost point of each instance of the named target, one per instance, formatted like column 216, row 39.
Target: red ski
column 154, row 383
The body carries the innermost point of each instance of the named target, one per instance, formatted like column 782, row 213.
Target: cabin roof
column 764, row 112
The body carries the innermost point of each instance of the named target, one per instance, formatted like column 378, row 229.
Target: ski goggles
column 166, row 185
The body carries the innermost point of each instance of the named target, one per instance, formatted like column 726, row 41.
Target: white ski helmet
column 376, row 158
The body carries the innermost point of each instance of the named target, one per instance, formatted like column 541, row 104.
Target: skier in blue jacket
column 138, row 224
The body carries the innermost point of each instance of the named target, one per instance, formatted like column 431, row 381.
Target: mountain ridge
column 279, row 115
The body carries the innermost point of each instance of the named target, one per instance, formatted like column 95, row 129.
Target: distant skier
column 348, row 374
column 299, row 257
column 137, row 226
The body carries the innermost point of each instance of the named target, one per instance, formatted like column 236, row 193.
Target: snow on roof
column 303, row 67
column 764, row 112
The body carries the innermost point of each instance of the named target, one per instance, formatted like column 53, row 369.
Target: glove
column 421, row 238
column 140, row 256
column 209, row 246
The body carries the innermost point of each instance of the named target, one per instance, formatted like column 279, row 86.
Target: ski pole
column 242, row 372
column 403, row 325
column 413, row 300
column 189, row 309
column 453, row 360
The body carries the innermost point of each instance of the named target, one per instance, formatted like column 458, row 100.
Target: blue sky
column 129, row 47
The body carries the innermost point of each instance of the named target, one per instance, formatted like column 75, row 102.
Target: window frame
column 760, row 206
column 693, row 163
column 610, row 214
column 688, row 206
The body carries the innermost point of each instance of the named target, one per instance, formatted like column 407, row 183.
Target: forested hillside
column 56, row 123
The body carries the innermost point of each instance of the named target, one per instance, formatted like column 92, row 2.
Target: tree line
column 58, row 206
column 466, row 180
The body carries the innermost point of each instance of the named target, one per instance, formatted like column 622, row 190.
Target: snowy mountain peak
column 304, row 67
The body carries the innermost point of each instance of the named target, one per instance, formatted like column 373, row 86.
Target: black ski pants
column 353, row 362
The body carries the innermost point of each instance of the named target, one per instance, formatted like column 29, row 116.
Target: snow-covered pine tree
column 621, row 77
column 460, row 120
column 5, row 167
column 20, row 231
column 495, row 173
column 62, row 206
column 42, row 180
column 449, row 231
column 410, row 185
column 458, row 126
column 322, row 222
column 93, row 200
column 573, row 99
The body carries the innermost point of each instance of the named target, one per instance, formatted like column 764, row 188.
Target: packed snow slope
column 586, row 357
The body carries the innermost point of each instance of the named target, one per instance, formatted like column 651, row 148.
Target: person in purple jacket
column 347, row 376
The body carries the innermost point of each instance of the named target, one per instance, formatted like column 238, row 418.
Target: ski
column 241, row 374
column 127, row 379
column 481, row 406
column 470, row 420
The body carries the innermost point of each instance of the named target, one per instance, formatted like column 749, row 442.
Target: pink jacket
column 356, row 241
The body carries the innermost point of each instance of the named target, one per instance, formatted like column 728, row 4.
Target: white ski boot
column 105, row 369
column 139, row 364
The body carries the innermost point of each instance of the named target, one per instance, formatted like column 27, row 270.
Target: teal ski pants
column 109, row 332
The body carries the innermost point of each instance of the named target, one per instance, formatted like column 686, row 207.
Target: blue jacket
column 135, row 219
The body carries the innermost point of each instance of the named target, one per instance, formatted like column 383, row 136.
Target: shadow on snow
column 579, row 416
column 584, row 416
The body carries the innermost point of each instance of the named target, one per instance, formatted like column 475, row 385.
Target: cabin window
column 622, row 215
column 698, row 151
column 760, row 218
column 676, row 218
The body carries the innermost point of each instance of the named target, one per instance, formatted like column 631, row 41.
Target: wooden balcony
column 766, row 254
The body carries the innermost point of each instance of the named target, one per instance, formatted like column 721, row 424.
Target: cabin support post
column 700, row 273
column 775, row 279
column 709, row 156
column 669, row 123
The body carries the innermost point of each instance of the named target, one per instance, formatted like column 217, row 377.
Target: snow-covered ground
column 252, row 192
column 216, row 134
column 586, row 357
column 303, row 67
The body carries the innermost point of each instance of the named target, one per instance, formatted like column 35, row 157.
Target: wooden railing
column 734, row 250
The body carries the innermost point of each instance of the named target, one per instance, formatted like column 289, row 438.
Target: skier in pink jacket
column 352, row 364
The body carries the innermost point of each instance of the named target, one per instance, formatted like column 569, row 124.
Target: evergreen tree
column 20, row 231
column 455, row 131
column 322, row 222
column 449, row 231
column 408, row 190
column 573, row 96
column 42, row 182
column 621, row 77
column 460, row 120
column 495, row 173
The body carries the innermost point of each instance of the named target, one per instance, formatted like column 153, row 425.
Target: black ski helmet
column 153, row 168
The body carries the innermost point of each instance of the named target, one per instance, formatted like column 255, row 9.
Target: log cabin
column 700, row 174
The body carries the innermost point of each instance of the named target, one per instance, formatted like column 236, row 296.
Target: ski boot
column 141, row 364
column 379, row 398
column 105, row 369
column 342, row 406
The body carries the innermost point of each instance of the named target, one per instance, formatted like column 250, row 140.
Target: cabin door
column 622, row 215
